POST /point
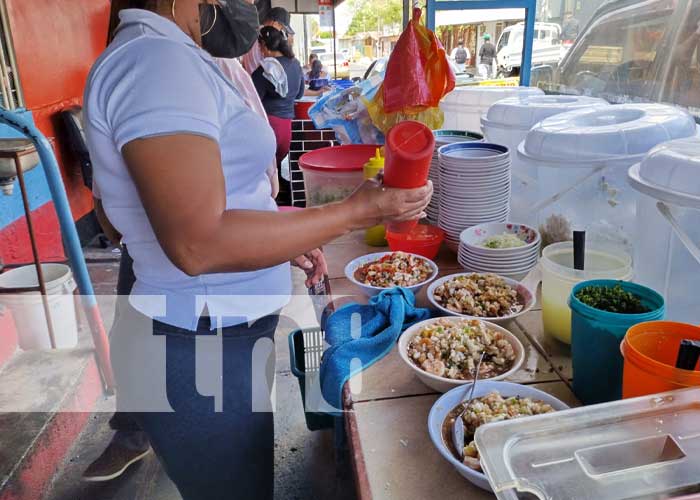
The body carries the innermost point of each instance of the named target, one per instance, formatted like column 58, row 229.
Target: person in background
column 570, row 28
column 461, row 56
column 279, row 82
column 279, row 18
column 312, row 57
column 487, row 57
column 317, row 79
column 210, row 251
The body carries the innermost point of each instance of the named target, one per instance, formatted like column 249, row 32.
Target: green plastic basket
column 305, row 351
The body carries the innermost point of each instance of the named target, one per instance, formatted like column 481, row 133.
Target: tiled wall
column 305, row 138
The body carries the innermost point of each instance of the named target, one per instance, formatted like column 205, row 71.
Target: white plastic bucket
column 464, row 106
column 28, row 310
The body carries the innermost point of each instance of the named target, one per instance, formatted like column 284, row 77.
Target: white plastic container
column 559, row 277
column 667, row 257
column 28, row 310
column 464, row 106
column 508, row 121
column 582, row 158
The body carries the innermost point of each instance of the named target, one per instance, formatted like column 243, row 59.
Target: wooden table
column 387, row 406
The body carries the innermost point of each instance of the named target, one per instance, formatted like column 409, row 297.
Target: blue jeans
column 208, row 454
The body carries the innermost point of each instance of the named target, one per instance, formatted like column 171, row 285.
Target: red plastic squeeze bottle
column 408, row 153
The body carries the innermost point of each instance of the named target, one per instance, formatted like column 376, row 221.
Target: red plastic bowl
column 424, row 240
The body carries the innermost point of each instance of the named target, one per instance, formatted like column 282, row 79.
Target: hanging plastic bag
column 418, row 76
column 345, row 111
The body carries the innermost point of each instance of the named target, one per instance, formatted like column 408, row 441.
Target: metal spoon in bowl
column 458, row 425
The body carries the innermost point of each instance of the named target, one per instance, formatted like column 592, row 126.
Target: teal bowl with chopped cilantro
column 601, row 313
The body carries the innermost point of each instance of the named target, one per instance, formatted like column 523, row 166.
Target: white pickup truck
column 546, row 47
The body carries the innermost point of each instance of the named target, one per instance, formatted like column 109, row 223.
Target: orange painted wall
column 56, row 42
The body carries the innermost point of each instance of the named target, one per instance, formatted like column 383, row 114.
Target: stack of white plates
column 474, row 187
column 512, row 263
column 442, row 138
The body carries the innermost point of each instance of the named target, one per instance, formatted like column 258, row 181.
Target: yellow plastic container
column 559, row 277
column 375, row 236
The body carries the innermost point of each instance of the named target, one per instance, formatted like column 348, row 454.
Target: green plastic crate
column 305, row 351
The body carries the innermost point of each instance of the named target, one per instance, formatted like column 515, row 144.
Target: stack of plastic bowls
column 442, row 138
column 514, row 262
column 474, row 187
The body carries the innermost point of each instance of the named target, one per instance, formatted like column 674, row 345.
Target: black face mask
column 235, row 30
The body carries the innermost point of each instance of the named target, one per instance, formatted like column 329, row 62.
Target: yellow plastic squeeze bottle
column 375, row 236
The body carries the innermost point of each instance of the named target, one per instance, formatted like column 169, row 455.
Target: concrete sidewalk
column 305, row 466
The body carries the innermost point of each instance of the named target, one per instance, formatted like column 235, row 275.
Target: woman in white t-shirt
column 180, row 161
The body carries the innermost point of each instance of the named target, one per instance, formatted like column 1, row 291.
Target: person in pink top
column 234, row 71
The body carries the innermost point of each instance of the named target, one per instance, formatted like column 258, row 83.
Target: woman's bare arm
column 181, row 185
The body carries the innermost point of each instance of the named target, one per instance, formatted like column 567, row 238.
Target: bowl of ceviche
column 493, row 402
column 443, row 352
column 375, row 272
column 484, row 296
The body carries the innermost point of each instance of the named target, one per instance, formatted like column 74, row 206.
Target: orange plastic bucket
column 650, row 351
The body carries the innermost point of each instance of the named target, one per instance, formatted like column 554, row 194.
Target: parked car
column 546, row 47
column 634, row 50
column 379, row 65
column 337, row 61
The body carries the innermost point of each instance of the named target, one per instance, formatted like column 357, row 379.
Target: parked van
column 546, row 47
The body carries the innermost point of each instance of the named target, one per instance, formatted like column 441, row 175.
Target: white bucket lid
column 485, row 96
column 524, row 112
column 671, row 172
column 622, row 134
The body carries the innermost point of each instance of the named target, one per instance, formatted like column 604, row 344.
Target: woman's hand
column 372, row 204
column 313, row 263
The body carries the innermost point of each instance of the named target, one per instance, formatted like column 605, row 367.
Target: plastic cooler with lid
column 642, row 448
column 333, row 173
column 508, row 121
column 582, row 158
column 668, row 225
column 464, row 106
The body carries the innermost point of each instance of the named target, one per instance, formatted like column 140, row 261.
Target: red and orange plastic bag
column 418, row 76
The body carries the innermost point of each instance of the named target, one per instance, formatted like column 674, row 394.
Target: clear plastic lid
column 524, row 112
column 671, row 172
column 642, row 448
column 484, row 96
column 622, row 133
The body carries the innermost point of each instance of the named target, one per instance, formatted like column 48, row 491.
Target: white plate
column 475, row 235
column 507, row 259
column 527, row 298
column 499, row 270
column 371, row 291
column 443, row 384
column 449, row 401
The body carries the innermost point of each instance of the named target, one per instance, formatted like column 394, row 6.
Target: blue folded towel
column 377, row 326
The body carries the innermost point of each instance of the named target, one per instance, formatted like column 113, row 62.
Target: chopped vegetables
column 493, row 408
column 394, row 269
column 611, row 299
column 451, row 348
column 480, row 295
column 505, row 240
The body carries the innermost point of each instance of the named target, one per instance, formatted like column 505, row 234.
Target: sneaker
column 113, row 462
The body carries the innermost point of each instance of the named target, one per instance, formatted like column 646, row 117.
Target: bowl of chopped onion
column 501, row 239
column 443, row 352
column 493, row 402
column 376, row 272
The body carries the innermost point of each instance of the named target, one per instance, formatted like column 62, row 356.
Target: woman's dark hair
column 316, row 68
column 275, row 41
column 119, row 5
